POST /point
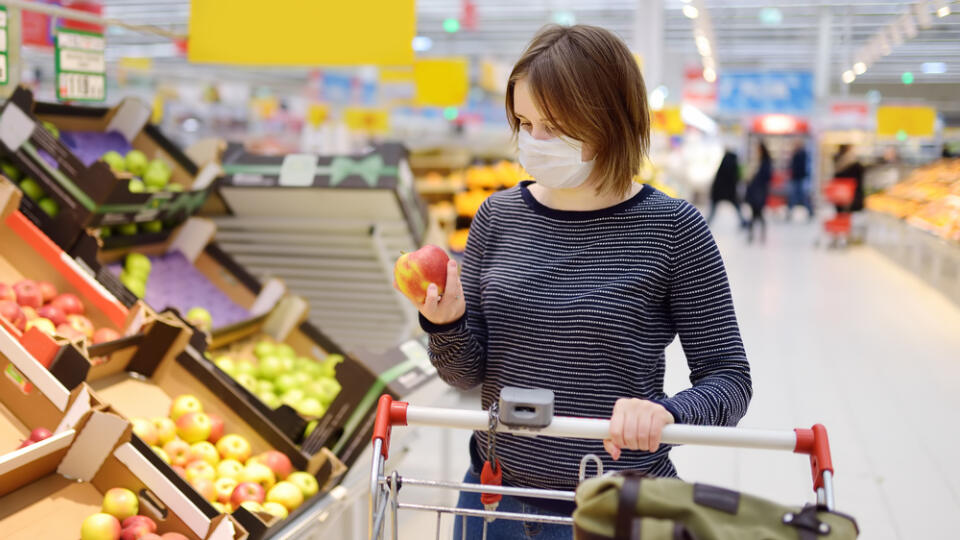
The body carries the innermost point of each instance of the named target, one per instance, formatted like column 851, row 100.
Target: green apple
column 115, row 161
column 293, row 397
column 127, row 229
column 136, row 185
column 310, row 406
column 285, row 351
column 11, row 171
column 289, row 364
column 136, row 162
column 264, row 348
column 154, row 226
column 247, row 381
column 270, row 399
column 302, row 379
column 325, row 390
column 137, row 262
column 175, row 188
column 156, row 178
column 52, row 129
column 134, row 284
column 285, row 383
column 287, row 494
column 330, row 363
column 310, row 427
column 269, row 368
column 31, row 189
column 264, row 386
column 105, row 232
column 306, row 482
column 200, row 318
column 184, row 404
column 49, row 206
column 243, row 367
column 226, row 364
column 159, row 164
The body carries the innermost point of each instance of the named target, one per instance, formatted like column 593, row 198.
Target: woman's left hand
column 636, row 424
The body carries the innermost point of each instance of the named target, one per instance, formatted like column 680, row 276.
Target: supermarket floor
column 840, row 337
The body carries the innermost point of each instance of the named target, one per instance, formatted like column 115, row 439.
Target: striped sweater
column 584, row 304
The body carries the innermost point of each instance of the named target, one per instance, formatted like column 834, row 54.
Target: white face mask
column 554, row 163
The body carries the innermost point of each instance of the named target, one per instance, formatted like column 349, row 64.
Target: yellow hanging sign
column 367, row 119
column 668, row 120
column 914, row 121
column 317, row 114
column 441, row 82
column 302, row 33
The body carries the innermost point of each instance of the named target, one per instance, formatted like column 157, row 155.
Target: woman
column 757, row 193
column 846, row 164
column 578, row 282
column 724, row 186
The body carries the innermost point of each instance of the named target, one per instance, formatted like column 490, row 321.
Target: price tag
column 81, row 66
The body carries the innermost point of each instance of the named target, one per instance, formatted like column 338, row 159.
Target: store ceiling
column 743, row 41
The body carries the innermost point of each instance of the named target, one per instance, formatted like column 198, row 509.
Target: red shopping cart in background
column 839, row 192
column 385, row 487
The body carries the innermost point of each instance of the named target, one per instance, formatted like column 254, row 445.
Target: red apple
column 69, row 303
column 13, row 314
column 103, row 335
column 205, row 487
column 194, row 427
column 40, row 434
column 415, row 271
column 179, row 470
column 69, row 332
column 80, row 324
column 137, row 528
column 55, row 314
column 47, row 291
column 100, row 526
column 132, row 520
column 26, row 443
column 259, row 473
column 224, row 487
column 7, row 293
column 247, row 491
column 216, row 427
column 178, row 451
column 28, row 294
column 44, row 325
column 278, row 462
column 166, row 429
column 145, row 430
column 200, row 469
column 120, row 503
column 204, row 451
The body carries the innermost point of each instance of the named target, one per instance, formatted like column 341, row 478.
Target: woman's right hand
column 447, row 308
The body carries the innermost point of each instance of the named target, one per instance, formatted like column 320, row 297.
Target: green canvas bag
column 627, row 506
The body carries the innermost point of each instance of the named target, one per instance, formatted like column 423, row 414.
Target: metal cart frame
column 384, row 489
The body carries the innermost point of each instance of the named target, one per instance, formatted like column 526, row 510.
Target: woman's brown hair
column 589, row 87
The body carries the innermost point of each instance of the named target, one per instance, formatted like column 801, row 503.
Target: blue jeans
column 503, row 529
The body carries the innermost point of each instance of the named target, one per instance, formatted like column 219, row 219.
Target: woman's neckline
column 579, row 215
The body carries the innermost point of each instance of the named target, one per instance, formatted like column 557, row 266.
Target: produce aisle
column 829, row 334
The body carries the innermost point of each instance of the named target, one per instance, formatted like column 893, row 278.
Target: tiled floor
column 840, row 337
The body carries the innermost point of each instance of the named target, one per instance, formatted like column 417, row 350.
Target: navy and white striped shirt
column 584, row 304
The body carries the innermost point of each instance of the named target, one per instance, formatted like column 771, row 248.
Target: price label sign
column 3, row 46
column 81, row 66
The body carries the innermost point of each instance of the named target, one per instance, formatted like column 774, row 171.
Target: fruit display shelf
column 331, row 228
column 66, row 149
column 49, row 489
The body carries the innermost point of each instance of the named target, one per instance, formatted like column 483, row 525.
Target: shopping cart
column 531, row 420
column 839, row 192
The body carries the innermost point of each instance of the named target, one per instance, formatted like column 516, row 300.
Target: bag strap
column 627, row 528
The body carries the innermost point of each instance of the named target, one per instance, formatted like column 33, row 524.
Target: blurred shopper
column 724, row 186
column 757, row 193
column 800, row 180
column 577, row 283
column 846, row 164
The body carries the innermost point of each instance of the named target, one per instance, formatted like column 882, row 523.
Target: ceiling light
column 422, row 43
column 658, row 97
column 770, row 16
column 691, row 12
column 907, row 77
column 934, row 68
column 564, row 18
column 848, row 76
column 709, row 75
column 859, row 68
column 943, row 12
column 451, row 25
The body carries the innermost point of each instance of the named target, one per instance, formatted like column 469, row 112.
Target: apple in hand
column 278, row 462
column 415, row 271
column 224, row 487
column 100, row 526
column 216, row 427
column 230, row 468
column 145, row 430
column 287, row 494
column 184, row 404
column 247, row 491
column 306, row 482
column 12, row 312
column 204, row 451
column 44, row 325
column 69, row 303
column 200, row 469
column 28, row 294
column 234, row 446
column 103, row 335
column 275, row 509
column 258, row 473
column 166, row 429
column 55, row 314
column 47, row 291
column 81, row 324
column 178, row 451
column 120, row 503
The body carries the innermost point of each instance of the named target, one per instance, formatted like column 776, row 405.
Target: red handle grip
column 389, row 413
column 815, row 443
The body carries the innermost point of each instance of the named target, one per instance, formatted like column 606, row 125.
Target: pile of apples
column 151, row 176
column 276, row 375
column 27, row 304
column 37, row 435
column 119, row 520
column 31, row 188
column 221, row 466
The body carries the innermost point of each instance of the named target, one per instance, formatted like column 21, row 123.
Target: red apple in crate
column 178, row 451
column 69, row 303
column 198, row 469
column 216, row 427
column 247, row 491
column 224, row 487
column 166, row 429
column 120, row 503
column 137, row 527
column 234, row 446
column 415, row 271
column 12, row 312
column 205, row 487
column 194, row 427
column 28, row 294
column 100, row 526
column 69, row 332
column 47, row 291
column 145, row 430
column 52, row 312
column 44, row 325
column 184, row 404
column 7, row 293
column 40, row 434
column 278, row 462
column 204, row 451
column 134, row 520
column 81, row 324
column 259, row 473
column 103, row 335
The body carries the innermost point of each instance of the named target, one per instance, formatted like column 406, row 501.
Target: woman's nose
column 541, row 133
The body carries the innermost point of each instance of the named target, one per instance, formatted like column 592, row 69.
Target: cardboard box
column 91, row 194
column 233, row 295
column 49, row 488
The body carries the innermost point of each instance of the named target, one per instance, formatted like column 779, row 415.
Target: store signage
column 441, row 82
column 4, row 46
column 913, row 121
column 81, row 66
column 698, row 92
column 763, row 92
